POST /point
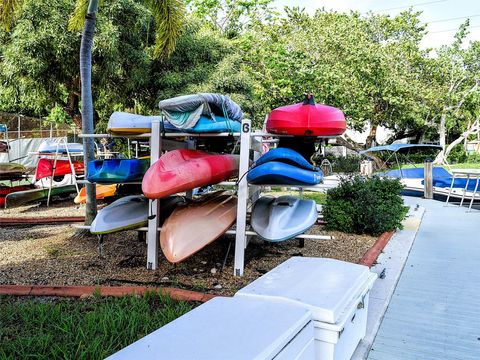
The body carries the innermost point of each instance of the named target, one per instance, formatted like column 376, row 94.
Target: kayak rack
column 249, row 143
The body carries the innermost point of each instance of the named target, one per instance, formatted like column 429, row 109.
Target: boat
column 52, row 146
column 101, row 191
column 306, row 119
column 117, row 170
column 287, row 156
column 10, row 171
column 62, row 167
column 184, row 111
column 183, row 170
column 19, row 198
column 219, row 124
column 5, row 190
column 282, row 218
column 279, row 173
column 129, row 212
column 192, row 227
column 58, row 181
column 126, row 123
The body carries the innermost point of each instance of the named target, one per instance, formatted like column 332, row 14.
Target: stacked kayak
column 129, row 212
column 123, row 123
column 52, row 146
column 117, row 170
column 278, row 219
column 19, row 198
column 307, row 119
column 9, row 171
column 5, row 190
column 283, row 166
column 192, row 227
column 101, row 191
column 185, row 111
column 62, row 167
column 183, row 170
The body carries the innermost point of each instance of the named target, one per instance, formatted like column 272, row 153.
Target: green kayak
column 19, row 198
column 11, row 171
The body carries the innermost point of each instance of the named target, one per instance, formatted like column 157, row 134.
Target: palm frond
column 9, row 12
column 169, row 16
column 76, row 21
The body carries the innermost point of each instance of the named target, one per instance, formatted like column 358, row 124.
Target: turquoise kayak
column 113, row 171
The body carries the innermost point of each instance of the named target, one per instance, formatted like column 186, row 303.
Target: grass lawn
column 80, row 329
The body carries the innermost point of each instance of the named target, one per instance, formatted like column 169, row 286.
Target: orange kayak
column 207, row 218
column 182, row 170
column 103, row 191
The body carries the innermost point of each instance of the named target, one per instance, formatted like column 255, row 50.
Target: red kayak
column 5, row 190
column 182, row 170
column 307, row 119
column 45, row 168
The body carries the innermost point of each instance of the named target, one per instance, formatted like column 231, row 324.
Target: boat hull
column 279, row 173
column 101, row 191
column 306, row 120
column 24, row 197
column 116, row 170
column 183, row 170
column 207, row 219
column 10, row 171
column 45, row 168
column 282, row 218
column 5, row 190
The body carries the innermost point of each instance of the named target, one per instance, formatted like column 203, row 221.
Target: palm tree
column 168, row 15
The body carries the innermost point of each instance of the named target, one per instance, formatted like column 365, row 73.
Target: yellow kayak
column 103, row 191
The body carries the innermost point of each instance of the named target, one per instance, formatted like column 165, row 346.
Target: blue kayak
column 117, row 170
column 287, row 156
column 207, row 125
column 279, row 173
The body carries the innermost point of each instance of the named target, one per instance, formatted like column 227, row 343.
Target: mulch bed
column 54, row 255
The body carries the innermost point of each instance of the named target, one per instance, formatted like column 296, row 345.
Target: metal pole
column 428, row 179
column 240, row 237
column 154, row 205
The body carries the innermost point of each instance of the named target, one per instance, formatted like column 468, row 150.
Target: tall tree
column 168, row 16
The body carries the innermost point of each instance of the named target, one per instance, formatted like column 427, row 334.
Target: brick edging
column 372, row 254
column 85, row 291
column 41, row 221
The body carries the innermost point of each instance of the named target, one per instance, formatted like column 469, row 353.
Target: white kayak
column 282, row 218
column 52, row 146
column 129, row 212
column 127, row 123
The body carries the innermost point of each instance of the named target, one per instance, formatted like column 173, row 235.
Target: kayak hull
column 116, row 170
column 5, row 190
column 24, row 197
column 101, row 191
column 279, row 173
column 51, row 146
column 183, row 170
column 306, row 120
column 287, row 156
column 45, row 168
column 127, row 213
column 207, row 219
column 282, row 218
column 11, row 171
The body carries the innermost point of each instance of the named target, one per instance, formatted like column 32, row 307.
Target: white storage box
column 336, row 292
column 230, row 328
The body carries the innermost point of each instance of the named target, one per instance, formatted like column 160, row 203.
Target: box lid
column 223, row 328
column 327, row 287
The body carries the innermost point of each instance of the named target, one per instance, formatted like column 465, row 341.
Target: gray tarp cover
column 184, row 111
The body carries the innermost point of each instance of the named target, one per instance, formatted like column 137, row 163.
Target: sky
column 443, row 16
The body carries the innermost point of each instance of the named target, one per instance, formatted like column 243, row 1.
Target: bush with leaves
column 365, row 206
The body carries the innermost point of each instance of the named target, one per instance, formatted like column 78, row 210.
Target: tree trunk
column 442, row 132
column 371, row 137
column 443, row 155
column 87, row 103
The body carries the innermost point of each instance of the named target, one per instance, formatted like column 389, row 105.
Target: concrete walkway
column 434, row 312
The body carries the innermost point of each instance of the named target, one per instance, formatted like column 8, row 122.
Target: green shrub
column 457, row 155
column 365, row 206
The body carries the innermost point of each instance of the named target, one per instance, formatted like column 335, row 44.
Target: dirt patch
column 53, row 255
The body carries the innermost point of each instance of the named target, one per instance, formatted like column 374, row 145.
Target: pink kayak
column 182, row 170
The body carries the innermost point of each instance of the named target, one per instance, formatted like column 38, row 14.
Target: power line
column 451, row 19
column 441, row 31
column 412, row 5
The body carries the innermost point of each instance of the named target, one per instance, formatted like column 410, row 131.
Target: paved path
column 435, row 310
